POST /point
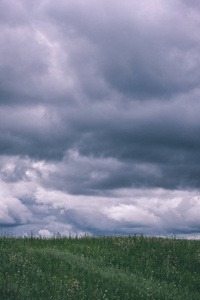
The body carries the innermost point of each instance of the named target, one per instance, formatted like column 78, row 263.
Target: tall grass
column 133, row 267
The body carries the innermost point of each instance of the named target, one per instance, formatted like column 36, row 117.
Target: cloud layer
column 99, row 125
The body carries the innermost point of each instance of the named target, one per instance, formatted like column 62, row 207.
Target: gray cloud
column 97, row 100
column 133, row 47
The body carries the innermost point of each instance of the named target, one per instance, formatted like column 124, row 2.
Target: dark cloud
column 99, row 101
column 140, row 55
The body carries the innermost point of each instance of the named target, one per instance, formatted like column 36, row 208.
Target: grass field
column 133, row 267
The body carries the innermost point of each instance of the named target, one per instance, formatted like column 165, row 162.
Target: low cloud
column 45, row 233
column 12, row 210
column 33, row 204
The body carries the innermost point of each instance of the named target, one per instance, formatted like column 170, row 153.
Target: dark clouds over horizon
column 99, row 116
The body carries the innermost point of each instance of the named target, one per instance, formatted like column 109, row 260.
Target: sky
column 99, row 117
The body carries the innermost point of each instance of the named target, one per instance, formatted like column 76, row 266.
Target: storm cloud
column 99, row 117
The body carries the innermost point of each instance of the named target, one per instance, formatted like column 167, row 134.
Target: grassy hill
column 133, row 267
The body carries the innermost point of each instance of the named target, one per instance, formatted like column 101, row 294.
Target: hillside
column 133, row 267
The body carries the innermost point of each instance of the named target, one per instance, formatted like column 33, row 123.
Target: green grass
column 133, row 267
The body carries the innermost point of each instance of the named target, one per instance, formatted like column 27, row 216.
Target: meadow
column 113, row 267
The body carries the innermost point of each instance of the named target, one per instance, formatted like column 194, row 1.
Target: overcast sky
column 99, row 117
